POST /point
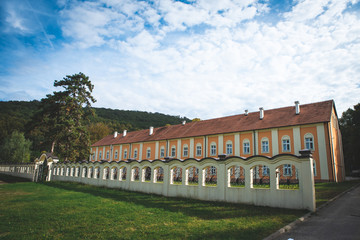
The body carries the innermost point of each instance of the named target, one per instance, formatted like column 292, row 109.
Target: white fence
column 19, row 170
column 191, row 178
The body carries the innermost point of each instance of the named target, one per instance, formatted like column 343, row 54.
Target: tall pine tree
column 64, row 116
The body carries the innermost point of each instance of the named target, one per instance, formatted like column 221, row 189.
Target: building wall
column 326, row 146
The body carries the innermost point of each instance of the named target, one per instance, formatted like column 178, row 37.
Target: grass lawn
column 326, row 191
column 60, row 210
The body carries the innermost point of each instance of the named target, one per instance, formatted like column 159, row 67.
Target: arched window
column 135, row 153
column 116, row 154
column 185, row 150
column 148, row 153
column 309, row 141
column 146, row 174
column 84, row 172
column 210, row 176
column 135, row 174
column 265, row 145
column 198, row 150
column 122, row 174
column 159, row 175
column 260, row 176
column 213, row 149
column 77, row 171
column 106, row 173
column 72, row 171
column 287, row 177
column 192, row 176
column 100, row 155
column 286, row 147
column 229, row 148
column 125, row 154
column 162, row 152
column 90, row 173
column 246, row 146
column 107, row 155
column 173, row 151
column 236, row 176
column 176, row 176
column 113, row 173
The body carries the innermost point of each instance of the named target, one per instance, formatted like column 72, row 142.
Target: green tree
column 98, row 131
column 15, row 149
column 64, row 117
column 350, row 130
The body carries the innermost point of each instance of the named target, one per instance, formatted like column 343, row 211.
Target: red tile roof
column 273, row 118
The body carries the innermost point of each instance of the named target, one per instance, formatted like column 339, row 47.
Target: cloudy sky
column 193, row 58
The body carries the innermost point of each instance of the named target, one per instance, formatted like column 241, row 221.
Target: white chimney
column 115, row 134
column 261, row 113
column 151, row 131
column 246, row 112
column 124, row 133
column 183, row 122
column 297, row 107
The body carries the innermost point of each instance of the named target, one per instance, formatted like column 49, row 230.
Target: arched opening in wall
column 146, row 174
column 135, row 174
column 67, row 173
column 55, row 171
column 210, row 176
column 72, row 171
column 77, row 171
column 113, row 173
column 192, row 176
column 106, row 173
column 236, row 176
column 84, row 172
column 260, row 175
column 176, row 176
column 90, row 173
column 62, row 171
column 122, row 176
column 159, row 175
column 287, row 177
column 97, row 173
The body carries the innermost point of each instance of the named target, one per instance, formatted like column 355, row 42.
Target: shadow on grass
column 206, row 210
column 11, row 179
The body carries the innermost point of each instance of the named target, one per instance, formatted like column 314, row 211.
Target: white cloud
column 208, row 59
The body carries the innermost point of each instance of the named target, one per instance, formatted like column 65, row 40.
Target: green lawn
column 59, row 210
column 326, row 191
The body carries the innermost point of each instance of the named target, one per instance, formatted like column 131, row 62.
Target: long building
column 270, row 132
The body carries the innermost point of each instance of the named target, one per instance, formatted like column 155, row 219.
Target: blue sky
column 195, row 58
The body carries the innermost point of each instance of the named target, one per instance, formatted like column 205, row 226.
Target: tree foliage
column 350, row 130
column 15, row 149
column 64, row 117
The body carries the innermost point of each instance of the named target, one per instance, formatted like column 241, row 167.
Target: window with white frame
column 246, row 146
column 185, row 150
column 93, row 157
column 309, row 141
column 116, row 155
column 287, row 170
column 135, row 153
column 229, row 148
column 100, row 155
column 125, row 154
column 264, row 145
column 107, row 154
column 314, row 168
column 286, row 144
column 213, row 149
column 198, row 150
column 148, row 153
column 265, row 170
column 173, row 151
column 162, row 152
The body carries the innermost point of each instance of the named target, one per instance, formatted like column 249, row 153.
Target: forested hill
column 17, row 115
